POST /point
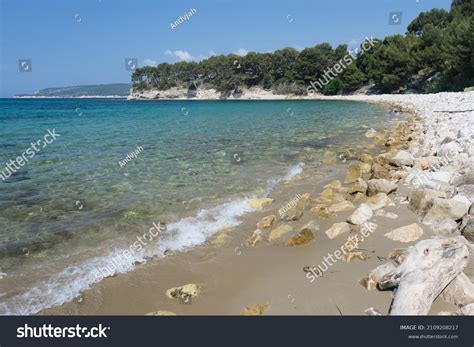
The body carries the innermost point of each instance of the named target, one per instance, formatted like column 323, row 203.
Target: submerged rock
column 336, row 184
column 266, row 222
column 279, row 232
column 329, row 157
column 302, row 238
column 220, row 239
column 365, row 158
column 323, row 212
column 353, row 173
column 254, row 239
column 260, row 204
column 408, row 233
column 311, row 226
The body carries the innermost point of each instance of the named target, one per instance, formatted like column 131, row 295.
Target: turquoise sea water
column 72, row 206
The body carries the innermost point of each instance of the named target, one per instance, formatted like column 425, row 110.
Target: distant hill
column 98, row 90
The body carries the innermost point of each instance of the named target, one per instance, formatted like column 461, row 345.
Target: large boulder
column 449, row 150
column 402, row 158
column 354, row 172
column 365, row 168
column 441, row 209
column 467, row 190
column 460, row 291
column 342, row 206
column 380, row 171
column 380, row 186
column 468, row 229
column 359, row 197
column 466, row 178
column 421, row 200
column 446, row 227
column 362, row 214
column 383, row 159
column 358, row 186
column 365, row 158
column 378, row 201
column 294, row 208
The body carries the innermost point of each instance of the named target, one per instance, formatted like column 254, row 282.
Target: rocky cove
column 417, row 193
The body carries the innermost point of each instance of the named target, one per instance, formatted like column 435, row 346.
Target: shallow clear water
column 72, row 206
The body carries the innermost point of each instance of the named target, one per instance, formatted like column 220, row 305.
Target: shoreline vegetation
column 435, row 55
column 414, row 193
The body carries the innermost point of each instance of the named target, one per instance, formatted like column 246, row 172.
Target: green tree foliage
column 435, row 54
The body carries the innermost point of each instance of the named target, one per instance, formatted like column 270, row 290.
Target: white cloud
column 241, row 51
column 354, row 43
column 186, row 56
column 210, row 54
column 149, row 62
column 181, row 55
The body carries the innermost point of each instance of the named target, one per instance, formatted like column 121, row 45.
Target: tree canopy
column 435, row 54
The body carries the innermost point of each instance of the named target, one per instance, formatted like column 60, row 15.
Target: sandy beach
column 261, row 267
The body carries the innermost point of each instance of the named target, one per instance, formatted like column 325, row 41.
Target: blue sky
column 73, row 42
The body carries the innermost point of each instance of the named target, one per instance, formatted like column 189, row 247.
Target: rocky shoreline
column 402, row 218
column 429, row 162
column 431, row 155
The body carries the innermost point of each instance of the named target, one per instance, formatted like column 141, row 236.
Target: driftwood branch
column 428, row 268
